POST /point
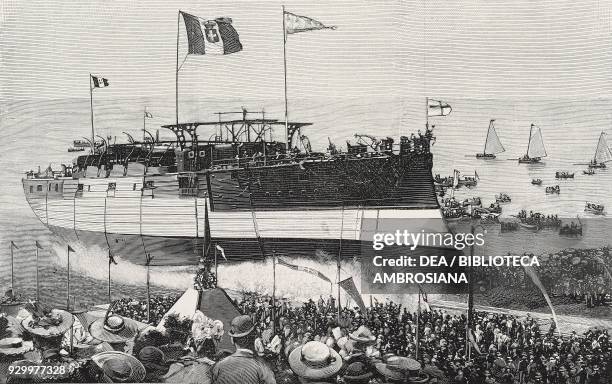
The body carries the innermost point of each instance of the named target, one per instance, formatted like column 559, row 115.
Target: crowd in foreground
column 582, row 275
column 311, row 343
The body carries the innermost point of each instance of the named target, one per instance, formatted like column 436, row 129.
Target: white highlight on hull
column 130, row 211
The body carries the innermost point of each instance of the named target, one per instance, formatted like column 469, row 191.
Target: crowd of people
column 539, row 219
column 137, row 309
column 580, row 274
column 316, row 342
column 505, row 349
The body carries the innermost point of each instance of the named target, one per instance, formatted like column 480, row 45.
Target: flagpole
column 285, row 74
column 149, row 258
column 178, row 26
column 216, row 267
column 273, row 292
column 427, row 112
column 12, row 270
column 68, row 277
column 37, row 286
column 109, row 275
column 418, row 321
column 339, row 253
column 93, row 134
column 144, row 123
column 470, row 306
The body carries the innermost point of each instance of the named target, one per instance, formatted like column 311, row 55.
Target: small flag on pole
column 424, row 300
column 220, row 248
column 473, row 341
column 438, row 108
column 38, row 245
column 312, row 271
column 295, row 23
column 14, row 245
column 349, row 286
column 148, row 115
column 99, row 82
column 211, row 37
column 70, row 249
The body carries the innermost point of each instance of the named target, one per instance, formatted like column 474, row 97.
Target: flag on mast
column 38, row 245
column 220, row 248
column 148, row 115
column 211, row 37
column 424, row 300
column 296, row 23
column 438, row 108
column 312, row 271
column 70, row 249
column 349, row 287
column 14, row 245
column 99, row 81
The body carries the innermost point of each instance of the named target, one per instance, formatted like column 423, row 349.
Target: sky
column 455, row 48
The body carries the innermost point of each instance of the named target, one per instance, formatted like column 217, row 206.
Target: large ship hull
column 132, row 221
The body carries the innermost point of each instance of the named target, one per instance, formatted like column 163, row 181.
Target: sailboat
column 602, row 153
column 535, row 148
column 492, row 144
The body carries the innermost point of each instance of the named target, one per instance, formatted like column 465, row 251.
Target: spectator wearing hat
column 115, row 330
column 398, row 369
column 243, row 366
column 119, row 367
column 357, row 373
column 315, row 362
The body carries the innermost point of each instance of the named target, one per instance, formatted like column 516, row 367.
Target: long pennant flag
column 14, row 245
column 438, row 108
column 536, row 280
column 349, row 287
column 312, row 271
column 296, row 23
column 38, row 245
column 211, row 37
column 70, row 249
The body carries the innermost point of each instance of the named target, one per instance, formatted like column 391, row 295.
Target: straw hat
column 398, row 368
column 241, row 326
column 119, row 367
column 113, row 329
column 315, row 360
column 36, row 328
column 12, row 346
column 362, row 335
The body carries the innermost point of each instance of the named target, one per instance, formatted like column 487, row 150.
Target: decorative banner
column 536, row 280
column 349, row 286
column 295, row 23
column 304, row 269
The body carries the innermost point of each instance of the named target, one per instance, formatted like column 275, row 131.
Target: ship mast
column 285, row 75
column 529, row 142
column 484, row 151
column 93, row 135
